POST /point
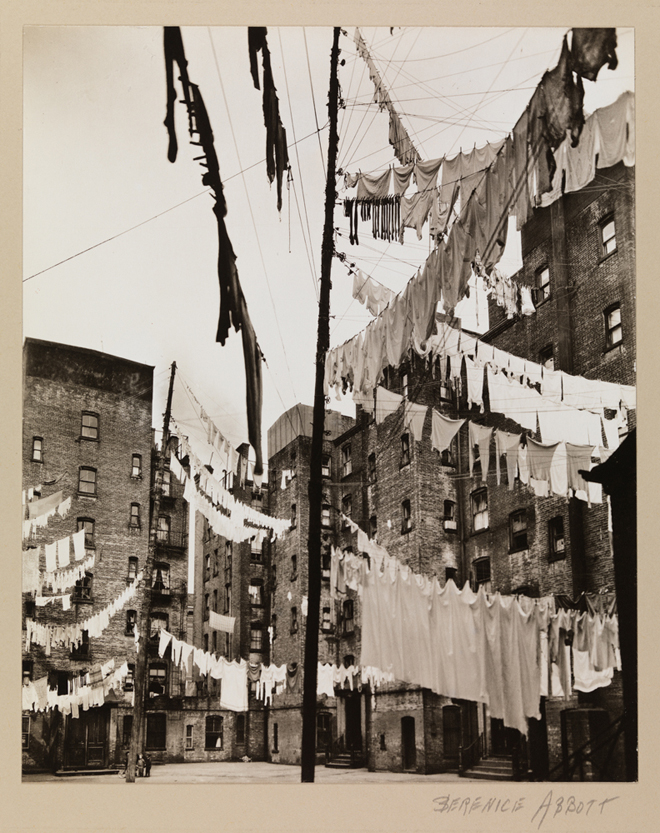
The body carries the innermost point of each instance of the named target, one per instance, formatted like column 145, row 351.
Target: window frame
column 609, row 329
column 25, row 732
column 516, row 542
column 371, row 469
column 406, row 517
column 294, row 518
column 348, row 617
column 373, row 526
column 347, row 509
column 83, row 589
column 165, row 583
column 131, row 622
column 542, row 290
column 346, row 460
column 479, row 580
column 135, row 519
column 256, row 644
column 405, row 450
column 325, row 515
column 94, row 482
column 475, row 511
column 40, row 450
column 326, row 621
column 96, row 427
column 294, row 566
column 555, row 554
column 163, row 530
column 240, row 729
column 294, row 620
column 162, row 679
column 189, row 737
column 326, row 465
column 153, row 732
column 161, row 616
column 136, row 475
column 89, row 541
column 602, row 225
column 449, row 522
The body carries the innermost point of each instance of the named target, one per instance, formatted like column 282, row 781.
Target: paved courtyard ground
column 232, row 772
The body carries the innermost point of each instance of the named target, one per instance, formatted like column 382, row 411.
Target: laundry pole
column 308, row 751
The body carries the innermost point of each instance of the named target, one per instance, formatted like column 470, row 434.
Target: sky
column 120, row 246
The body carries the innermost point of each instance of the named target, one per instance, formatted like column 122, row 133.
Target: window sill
column 88, row 439
column 607, row 256
column 87, row 494
column 480, row 531
column 614, row 348
column 513, row 550
column 560, row 556
column 403, row 465
column 36, row 461
column 406, row 531
column 76, row 601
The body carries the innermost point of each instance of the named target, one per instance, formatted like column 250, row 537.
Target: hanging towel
column 221, row 623
column 426, row 173
column 79, row 545
column 45, row 505
column 386, row 403
column 480, row 435
column 551, row 384
column 413, row 418
column 63, row 557
column 373, row 186
column 539, row 458
column 475, row 384
column 401, row 178
column 616, row 125
column 30, row 576
column 51, row 557
column 443, row 430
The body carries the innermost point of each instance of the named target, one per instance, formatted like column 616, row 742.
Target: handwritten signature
column 559, row 805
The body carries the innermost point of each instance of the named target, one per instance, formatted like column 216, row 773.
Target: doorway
column 451, row 731
column 408, row 747
column 86, row 745
column 353, row 706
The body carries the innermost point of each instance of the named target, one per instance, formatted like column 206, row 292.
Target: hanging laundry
column 480, row 435
column 441, row 212
column 63, row 557
column 386, row 403
column 522, row 171
column 277, row 156
column 555, row 107
column 324, row 680
column 526, row 304
column 30, row 571
column 221, row 623
column 51, row 557
column 551, row 384
column 426, row 174
column 44, row 505
column 591, row 49
column 234, row 691
column 497, row 198
column 539, row 458
column 507, row 444
column 372, row 294
column 413, row 418
column 616, row 126
column 475, row 384
column 415, row 211
column 468, row 169
column 374, row 186
column 443, row 430
column 401, row 178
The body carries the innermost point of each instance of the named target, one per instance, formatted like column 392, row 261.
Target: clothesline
column 40, row 511
column 72, row 635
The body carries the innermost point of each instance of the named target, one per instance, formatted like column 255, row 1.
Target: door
column 408, row 748
column 354, row 721
column 87, row 740
column 501, row 738
column 451, row 728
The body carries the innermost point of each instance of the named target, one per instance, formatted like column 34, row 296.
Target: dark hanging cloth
column 233, row 307
column 277, row 155
column 556, row 107
column 565, row 602
column 292, row 676
column 254, row 672
column 591, row 49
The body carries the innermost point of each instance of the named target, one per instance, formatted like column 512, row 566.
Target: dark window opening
column 479, row 500
column 613, row 328
column 518, row 530
column 294, row 620
column 347, row 616
column 405, row 450
column 240, row 728
column 346, row 461
column 556, row 538
column 156, row 731
column 88, row 525
column 406, row 517
column 371, row 468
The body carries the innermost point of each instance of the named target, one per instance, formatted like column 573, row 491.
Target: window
column 240, row 728
column 134, row 520
column 88, row 525
column 273, row 627
column 132, row 569
column 256, row 638
column 160, row 578
column 131, row 620
column 346, row 462
column 28, row 668
column 348, row 660
column 81, row 651
column 207, row 566
column 163, row 531
column 542, row 292
column 482, row 573
column 158, row 678
column 190, row 742
column 405, row 449
column 325, row 515
column 228, row 557
column 294, row 567
column 613, row 330
column 373, row 526
column 227, row 598
column 556, row 538
column 326, row 624
column 214, row 642
column 448, row 455
column 323, row 731
column 406, row 517
column 325, row 465
column 213, row 732
column 256, row 545
column 164, row 482
column 136, row 466
column 608, row 236
column 130, row 677
column 25, row 729
column 294, row 620
column 157, row 622
column 156, row 730
column 451, row 573
column 37, row 449
column 207, row 605
column 479, row 501
column 273, row 576
column 89, row 428
column 215, row 600
column 82, row 591
column 127, row 728
column 371, row 468
column 449, row 516
column 275, row 738
column 206, row 642
column 404, row 385
column 255, row 592
column 347, row 508
column 293, row 515
column 215, row 562
column 86, row 481
column 518, row 531
column 347, row 616
column 547, row 357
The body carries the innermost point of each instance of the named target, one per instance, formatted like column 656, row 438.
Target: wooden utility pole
column 140, row 681
column 308, row 752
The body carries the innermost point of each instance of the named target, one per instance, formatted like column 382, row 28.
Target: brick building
column 87, row 433
column 427, row 510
